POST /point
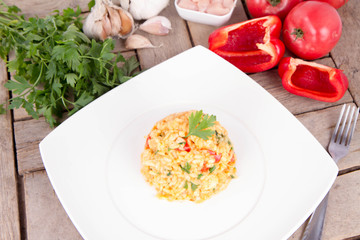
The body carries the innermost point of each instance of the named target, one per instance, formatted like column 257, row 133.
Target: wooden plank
column 297, row 235
column 9, row 213
column 342, row 215
column 321, row 124
column 172, row 44
column 42, row 8
column 271, row 81
column 45, row 216
column 346, row 53
column 200, row 32
column 28, row 135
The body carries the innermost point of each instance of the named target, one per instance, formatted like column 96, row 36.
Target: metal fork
column 338, row 148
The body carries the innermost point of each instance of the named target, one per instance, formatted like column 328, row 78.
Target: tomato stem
column 298, row 33
column 274, row 3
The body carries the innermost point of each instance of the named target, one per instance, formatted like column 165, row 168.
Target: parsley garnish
column 219, row 137
column 193, row 186
column 186, row 184
column 186, row 168
column 199, row 176
column 57, row 67
column 199, row 124
column 169, row 173
column 212, row 169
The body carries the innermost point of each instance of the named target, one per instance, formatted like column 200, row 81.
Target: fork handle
column 315, row 225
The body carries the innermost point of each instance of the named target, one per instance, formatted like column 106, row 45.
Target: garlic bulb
column 137, row 41
column 108, row 20
column 157, row 25
column 143, row 9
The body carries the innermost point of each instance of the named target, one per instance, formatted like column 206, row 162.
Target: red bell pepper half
column 312, row 80
column 252, row 46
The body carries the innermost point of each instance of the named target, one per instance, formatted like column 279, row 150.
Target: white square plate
column 93, row 158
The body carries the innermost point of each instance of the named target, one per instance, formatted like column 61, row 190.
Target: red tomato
column 312, row 29
column 261, row 8
column 334, row 3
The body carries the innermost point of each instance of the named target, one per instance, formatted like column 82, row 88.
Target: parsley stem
column 52, row 34
column 4, row 4
column 17, row 17
column 12, row 30
column 63, row 99
column 97, row 59
column 64, row 103
column 107, row 77
column 68, row 101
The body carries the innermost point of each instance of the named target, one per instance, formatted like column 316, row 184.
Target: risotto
column 188, row 167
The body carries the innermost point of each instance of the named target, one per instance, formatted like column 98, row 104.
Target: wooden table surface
column 29, row 207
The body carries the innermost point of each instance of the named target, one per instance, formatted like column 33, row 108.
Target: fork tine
column 348, row 124
column 340, row 136
column 353, row 126
column 333, row 137
column 345, row 136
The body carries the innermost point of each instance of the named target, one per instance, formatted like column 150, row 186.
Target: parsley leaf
column 2, row 109
column 18, row 85
column 186, row 184
column 199, row 124
column 212, row 169
column 91, row 4
column 194, row 186
column 186, row 167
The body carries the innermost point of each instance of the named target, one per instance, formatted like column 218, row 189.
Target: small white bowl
column 204, row 18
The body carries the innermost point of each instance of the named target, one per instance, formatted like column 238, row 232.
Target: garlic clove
column 145, row 9
column 94, row 29
column 115, row 20
column 106, row 24
column 158, row 25
column 127, row 23
column 98, row 30
column 93, row 25
column 125, row 4
column 137, row 41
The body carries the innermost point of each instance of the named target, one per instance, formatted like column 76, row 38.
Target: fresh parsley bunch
column 56, row 67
